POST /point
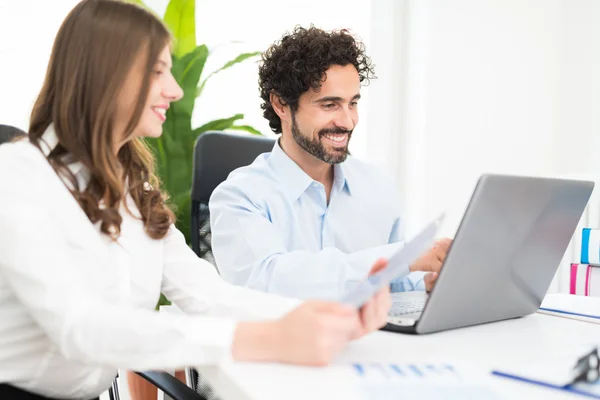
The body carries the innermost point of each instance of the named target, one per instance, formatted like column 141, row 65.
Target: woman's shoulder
column 21, row 153
column 22, row 163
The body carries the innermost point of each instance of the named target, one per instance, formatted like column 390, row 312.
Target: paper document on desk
column 382, row 381
column 571, row 306
column 398, row 265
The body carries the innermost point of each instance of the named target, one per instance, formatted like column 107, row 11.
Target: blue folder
column 590, row 390
column 582, row 379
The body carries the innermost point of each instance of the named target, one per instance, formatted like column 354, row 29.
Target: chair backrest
column 216, row 155
column 8, row 133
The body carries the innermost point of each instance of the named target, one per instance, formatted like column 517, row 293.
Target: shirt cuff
column 210, row 340
column 411, row 282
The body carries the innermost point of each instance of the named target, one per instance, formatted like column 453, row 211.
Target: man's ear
column 281, row 109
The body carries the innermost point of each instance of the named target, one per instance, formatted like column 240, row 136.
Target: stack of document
column 571, row 306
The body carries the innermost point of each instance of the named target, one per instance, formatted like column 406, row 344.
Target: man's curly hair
column 299, row 61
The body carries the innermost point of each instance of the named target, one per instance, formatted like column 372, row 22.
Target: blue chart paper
column 417, row 381
column 397, row 265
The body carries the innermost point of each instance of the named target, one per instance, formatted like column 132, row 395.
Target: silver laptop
column 505, row 253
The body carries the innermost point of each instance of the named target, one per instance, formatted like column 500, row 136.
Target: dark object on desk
column 8, row 133
column 587, row 368
column 216, row 155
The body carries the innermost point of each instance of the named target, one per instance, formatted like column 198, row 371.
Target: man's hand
column 432, row 261
column 430, row 278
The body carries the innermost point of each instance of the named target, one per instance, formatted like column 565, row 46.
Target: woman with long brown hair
column 88, row 241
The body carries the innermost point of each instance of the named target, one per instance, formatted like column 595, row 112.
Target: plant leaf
column 183, row 204
column 218, row 124
column 246, row 128
column 162, row 301
column 237, row 60
column 187, row 71
column 242, row 57
column 177, row 140
column 180, row 17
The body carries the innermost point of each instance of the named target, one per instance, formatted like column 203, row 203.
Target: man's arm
column 250, row 252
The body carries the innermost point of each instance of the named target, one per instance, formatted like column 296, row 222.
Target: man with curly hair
column 308, row 220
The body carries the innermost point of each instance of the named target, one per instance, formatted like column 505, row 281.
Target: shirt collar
column 340, row 178
column 295, row 180
column 49, row 141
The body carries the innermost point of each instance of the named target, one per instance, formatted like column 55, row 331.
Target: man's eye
column 328, row 105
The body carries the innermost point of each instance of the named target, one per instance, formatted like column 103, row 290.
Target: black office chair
column 216, row 155
column 8, row 133
column 170, row 385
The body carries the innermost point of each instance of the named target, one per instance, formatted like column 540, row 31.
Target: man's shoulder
column 256, row 178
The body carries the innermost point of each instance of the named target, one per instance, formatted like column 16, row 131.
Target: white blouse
column 75, row 307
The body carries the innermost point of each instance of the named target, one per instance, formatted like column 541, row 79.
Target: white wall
column 505, row 86
column 27, row 31
column 577, row 146
column 489, row 95
column 579, row 88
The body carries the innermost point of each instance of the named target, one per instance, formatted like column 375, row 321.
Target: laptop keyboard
column 407, row 306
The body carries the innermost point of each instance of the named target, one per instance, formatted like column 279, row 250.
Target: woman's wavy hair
column 299, row 61
column 94, row 51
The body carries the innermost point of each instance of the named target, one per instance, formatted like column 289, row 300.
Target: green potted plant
column 174, row 149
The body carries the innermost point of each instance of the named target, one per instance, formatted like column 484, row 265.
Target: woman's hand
column 312, row 334
column 374, row 313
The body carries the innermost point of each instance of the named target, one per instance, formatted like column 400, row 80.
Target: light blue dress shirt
column 272, row 228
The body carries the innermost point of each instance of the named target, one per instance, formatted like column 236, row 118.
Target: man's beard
column 316, row 147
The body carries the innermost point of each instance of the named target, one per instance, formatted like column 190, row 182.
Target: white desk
column 482, row 348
